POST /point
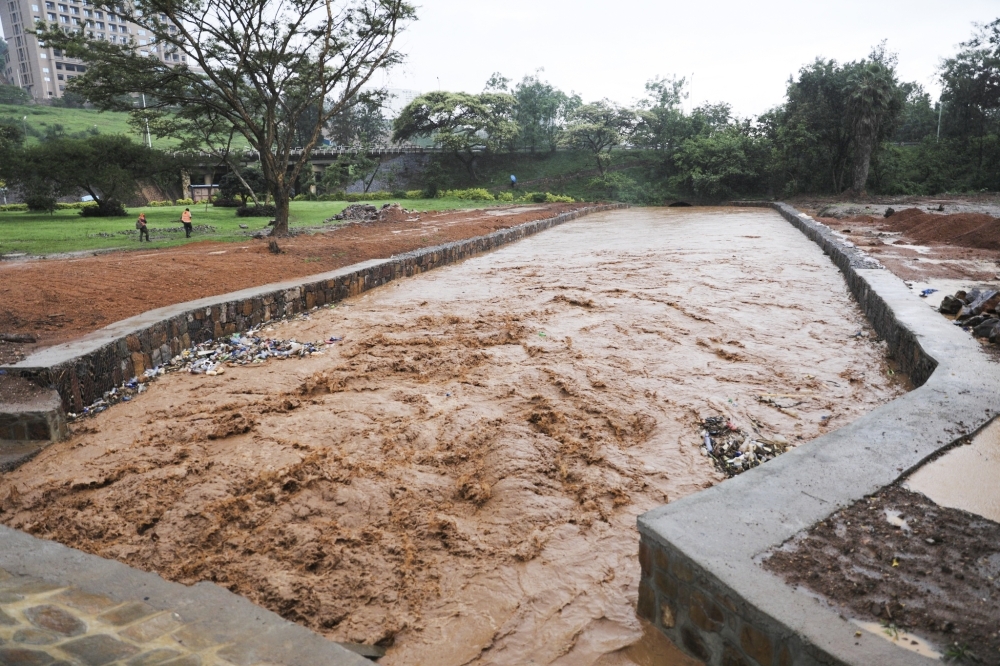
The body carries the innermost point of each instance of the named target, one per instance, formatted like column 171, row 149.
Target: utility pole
column 940, row 113
column 24, row 121
column 149, row 139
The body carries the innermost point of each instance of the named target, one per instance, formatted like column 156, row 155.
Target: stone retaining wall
column 83, row 379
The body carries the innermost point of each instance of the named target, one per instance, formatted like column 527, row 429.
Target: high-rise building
column 43, row 71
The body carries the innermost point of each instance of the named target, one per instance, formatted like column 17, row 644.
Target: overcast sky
column 737, row 51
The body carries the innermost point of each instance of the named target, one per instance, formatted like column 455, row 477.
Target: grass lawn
column 66, row 231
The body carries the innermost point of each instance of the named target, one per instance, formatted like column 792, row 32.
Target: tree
column 874, row 103
column 599, row 127
column 244, row 183
column 541, row 112
column 662, row 124
column 247, row 67
column 107, row 167
column 459, row 122
column 13, row 94
column 360, row 123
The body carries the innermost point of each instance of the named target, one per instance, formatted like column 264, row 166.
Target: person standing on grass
column 186, row 219
column 140, row 224
column 513, row 181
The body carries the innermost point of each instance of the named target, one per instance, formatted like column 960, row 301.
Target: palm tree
column 872, row 104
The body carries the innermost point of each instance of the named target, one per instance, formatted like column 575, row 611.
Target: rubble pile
column 390, row 212
column 734, row 450
column 977, row 310
column 211, row 358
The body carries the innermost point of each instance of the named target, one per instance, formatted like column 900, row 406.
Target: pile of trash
column 977, row 310
column 211, row 358
column 735, row 451
column 390, row 212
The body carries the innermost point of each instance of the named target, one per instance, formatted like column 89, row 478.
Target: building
column 44, row 72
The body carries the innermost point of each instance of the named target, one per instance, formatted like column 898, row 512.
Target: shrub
column 537, row 197
column 184, row 202
column 367, row 196
column 104, row 209
column 557, row 198
column 398, row 194
column 222, row 202
column 505, row 196
column 41, row 203
column 304, row 196
column 339, row 195
column 14, row 208
column 415, row 194
column 471, row 194
column 74, row 205
column 264, row 210
column 160, row 204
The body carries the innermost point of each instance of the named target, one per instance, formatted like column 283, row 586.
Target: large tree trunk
column 862, row 163
column 281, row 200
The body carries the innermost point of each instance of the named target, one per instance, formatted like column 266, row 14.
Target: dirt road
column 460, row 477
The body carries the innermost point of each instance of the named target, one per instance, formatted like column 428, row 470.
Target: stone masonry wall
column 693, row 607
column 84, row 379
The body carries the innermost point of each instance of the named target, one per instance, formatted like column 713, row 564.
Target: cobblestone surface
column 44, row 624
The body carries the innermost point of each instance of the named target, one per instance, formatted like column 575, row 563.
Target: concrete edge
column 701, row 580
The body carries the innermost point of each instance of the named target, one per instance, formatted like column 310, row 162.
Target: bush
column 556, row 198
column 104, row 209
column 222, row 202
column 74, row 205
column 41, row 203
column 265, row 210
column 505, row 196
column 305, row 196
column 339, row 195
column 184, row 202
column 160, row 204
column 415, row 194
column 471, row 194
column 367, row 196
column 398, row 194
column 13, row 94
column 537, row 197
column 14, row 208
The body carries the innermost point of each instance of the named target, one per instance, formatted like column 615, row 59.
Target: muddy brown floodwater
column 460, row 477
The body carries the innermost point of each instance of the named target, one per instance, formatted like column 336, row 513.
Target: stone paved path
column 45, row 624
column 62, row 607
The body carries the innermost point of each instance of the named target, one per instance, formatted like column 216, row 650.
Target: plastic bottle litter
column 211, row 359
column 734, row 450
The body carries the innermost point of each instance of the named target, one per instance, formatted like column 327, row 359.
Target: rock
column 995, row 334
column 962, row 295
column 363, row 212
column 986, row 304
column 950, row 305
column 244, row 226
column 985, row 329
column 889, row 212
column 974, row 321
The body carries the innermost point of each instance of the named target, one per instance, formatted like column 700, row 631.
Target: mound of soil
column 963, row 229
column 938, row 577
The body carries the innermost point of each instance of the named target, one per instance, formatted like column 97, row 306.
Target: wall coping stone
column 721, row 533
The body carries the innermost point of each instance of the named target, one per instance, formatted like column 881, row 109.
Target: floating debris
column 734, row 450
column 211, row 358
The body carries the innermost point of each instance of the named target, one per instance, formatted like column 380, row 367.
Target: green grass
column 41, row 118
column 66, row 231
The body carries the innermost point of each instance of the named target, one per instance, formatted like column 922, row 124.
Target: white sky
column 739, row 51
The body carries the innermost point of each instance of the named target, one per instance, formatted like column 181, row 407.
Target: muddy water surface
column 460, row 477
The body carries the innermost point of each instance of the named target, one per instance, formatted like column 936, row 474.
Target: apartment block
column 43, row 71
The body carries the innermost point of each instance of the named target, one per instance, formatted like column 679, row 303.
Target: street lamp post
column 24, row 121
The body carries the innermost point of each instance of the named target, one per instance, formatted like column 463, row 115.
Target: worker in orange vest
column 186, row 219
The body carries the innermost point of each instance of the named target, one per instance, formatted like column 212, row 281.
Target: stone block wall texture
column 84, row 379
column 694, row 608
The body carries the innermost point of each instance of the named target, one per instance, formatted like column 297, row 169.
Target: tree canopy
column 599, row 127
column 108, row 167
column 462, row 123
column 245, row 67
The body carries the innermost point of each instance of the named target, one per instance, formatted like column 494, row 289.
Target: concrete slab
column 114, row 610
column 705, row 549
